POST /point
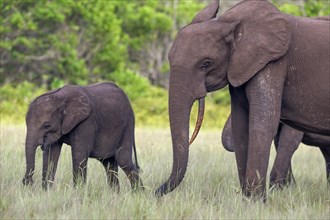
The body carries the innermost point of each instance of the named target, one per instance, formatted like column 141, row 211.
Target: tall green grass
column 210, row 189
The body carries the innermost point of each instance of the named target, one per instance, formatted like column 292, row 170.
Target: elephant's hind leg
column 124, row 159
column 326, row 155
column 286, row 143
column 111, row 169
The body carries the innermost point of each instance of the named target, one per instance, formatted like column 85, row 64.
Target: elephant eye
column 206, row 65
column 46, row 125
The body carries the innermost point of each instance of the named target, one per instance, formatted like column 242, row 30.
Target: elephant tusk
column 200, row 117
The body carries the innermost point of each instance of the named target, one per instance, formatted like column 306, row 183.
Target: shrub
column 16, row 99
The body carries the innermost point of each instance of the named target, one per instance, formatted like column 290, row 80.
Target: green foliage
column 134, row 85
column 291, row 9
column 53, row 43
column 143, row 23
column 310, row 8
column 79, row 42
column 317, row 8
column 47, row 44
column 15, row 100
column 44, row 41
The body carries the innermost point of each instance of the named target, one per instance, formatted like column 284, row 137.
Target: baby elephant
column 96, row 120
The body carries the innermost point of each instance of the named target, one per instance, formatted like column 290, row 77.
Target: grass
column 210, row 189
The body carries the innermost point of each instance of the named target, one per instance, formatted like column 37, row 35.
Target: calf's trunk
column 30, row 151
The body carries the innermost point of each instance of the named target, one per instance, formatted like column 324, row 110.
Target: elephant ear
column 262, row 35
column 76, row 109
column 207, row 13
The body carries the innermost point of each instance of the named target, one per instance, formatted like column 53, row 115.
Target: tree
column 307, row 8
column 56, row 42
column 151, row 27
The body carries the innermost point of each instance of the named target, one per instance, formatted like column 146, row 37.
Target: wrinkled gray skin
column 286, row 143
column 96, row 120
column 276, row 66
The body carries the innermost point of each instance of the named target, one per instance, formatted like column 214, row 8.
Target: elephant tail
column 135, row 157
column 135, row 154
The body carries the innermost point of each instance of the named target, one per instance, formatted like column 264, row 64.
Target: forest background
column 47, row 44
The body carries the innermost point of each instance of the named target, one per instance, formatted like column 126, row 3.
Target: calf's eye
column 46, row 125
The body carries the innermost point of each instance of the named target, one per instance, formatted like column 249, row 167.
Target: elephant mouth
column 47, row 143
column 44, row 147
column 199, row 121
column 49, row 140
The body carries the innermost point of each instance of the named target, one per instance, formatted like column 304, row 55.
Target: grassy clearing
column 210, row 189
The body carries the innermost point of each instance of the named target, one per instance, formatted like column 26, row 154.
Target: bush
column 16, row 99
column 135, row 86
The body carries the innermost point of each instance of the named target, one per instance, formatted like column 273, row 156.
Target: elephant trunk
column 180, row 104
column 30, row 151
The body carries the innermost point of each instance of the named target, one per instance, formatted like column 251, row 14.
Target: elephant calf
column 96, row 120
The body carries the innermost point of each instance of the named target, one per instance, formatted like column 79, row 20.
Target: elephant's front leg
column 79, row 165
column 111, row 169
column 239, row 129
column 50, row 160
column 264, row 94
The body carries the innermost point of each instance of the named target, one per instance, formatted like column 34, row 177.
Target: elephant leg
column 79, row 166
column 50, row 160
column 126, row 163
column 239, row 125
column 111, row 169
column 264, row 94
column 260, row 139
column 286, row 143
column 124, row 160
column 227, row 136
column 326, row 154
column 131, row 172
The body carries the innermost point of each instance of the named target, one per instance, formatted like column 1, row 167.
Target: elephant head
column 50, row 117
column 209, row 54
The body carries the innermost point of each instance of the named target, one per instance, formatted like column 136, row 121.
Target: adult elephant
column 286, row 142
column 277, row 67
column 96, row 120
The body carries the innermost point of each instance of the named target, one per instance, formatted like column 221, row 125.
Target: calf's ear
column 207, row 13
column 76, row 110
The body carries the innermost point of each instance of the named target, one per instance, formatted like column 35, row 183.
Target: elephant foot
column 46, row 184
column 255, row 197
column 115, row 187
column 27, row 180
column 280, row 183
column 255, row 193
column 138, row 189
column 162, row 190
column 138, row 186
